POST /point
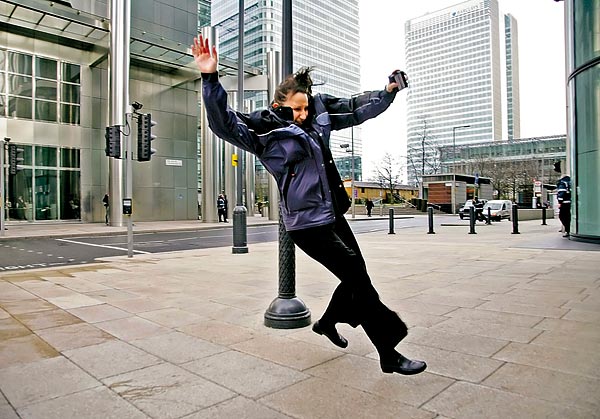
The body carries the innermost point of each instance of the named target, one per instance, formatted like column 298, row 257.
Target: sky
column 541, row 64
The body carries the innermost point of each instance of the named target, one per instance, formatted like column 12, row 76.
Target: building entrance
column 48, row 186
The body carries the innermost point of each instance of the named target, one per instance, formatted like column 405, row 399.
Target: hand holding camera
column 400, row 78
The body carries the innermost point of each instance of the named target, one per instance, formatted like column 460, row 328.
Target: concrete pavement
column 508, row 324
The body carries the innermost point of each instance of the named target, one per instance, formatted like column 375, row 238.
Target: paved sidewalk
column 508, row 324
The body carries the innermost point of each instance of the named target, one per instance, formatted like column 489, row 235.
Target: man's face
column 299, row 104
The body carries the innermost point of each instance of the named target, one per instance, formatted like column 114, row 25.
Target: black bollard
column 287, row 311
column 489, row 217
column 391, row 221
column 544, row 215
column 515, row 219
column 472, row 220
column 430, row 217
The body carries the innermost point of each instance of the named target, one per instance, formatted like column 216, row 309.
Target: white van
column 499, row 209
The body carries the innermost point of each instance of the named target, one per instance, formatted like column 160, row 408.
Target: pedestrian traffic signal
column 113, row 142
column 145, row 137
column 15, row 156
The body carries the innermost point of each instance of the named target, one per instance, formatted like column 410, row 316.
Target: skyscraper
column 453, row 63
column 511, row 39
column 325, row 36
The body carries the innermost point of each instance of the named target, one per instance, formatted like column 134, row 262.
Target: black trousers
column 355, row 301
column 564, row 215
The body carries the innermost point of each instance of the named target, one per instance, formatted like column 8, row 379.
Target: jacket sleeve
column 223, row 120
column 347, row 112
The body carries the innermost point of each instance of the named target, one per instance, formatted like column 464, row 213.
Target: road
column 22, row 254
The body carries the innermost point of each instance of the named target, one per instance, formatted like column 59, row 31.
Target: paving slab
column 95, row 403
column 245, row 374
column 54, row 377
column 468, row 400
column 167, row 391
column 238, row 407
column 568, row 361
column 110, row 358
column 177, row 347
column 24, row 349
column 74, row 336
column 45, row 319
column 552, row 386
column 319, row 398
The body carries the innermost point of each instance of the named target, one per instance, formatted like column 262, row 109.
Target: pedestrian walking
column 369, row 205
column 563, row 195
column 291, row 139
column 106, row 203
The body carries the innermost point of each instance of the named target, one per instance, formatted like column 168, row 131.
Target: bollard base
column 239, row 250
column 287, row 313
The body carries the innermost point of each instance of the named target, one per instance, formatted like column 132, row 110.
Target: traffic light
column 15, row 156
column 145, row 137
column 113, row 142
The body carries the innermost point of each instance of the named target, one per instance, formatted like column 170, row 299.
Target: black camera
column 399, row 77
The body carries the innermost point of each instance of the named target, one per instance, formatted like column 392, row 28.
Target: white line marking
column 101, row 245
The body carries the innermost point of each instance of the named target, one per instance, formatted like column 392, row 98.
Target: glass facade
column 583, row 87
column 453, row 63
column 39, row 88
column 48, row 187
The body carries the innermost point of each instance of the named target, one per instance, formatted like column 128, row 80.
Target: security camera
column 137, row 106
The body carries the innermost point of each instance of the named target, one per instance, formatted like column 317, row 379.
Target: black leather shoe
column 403, row 365
column 331, row 334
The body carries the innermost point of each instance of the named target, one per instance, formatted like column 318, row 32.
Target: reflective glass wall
column 583, row 28
column 47, row 186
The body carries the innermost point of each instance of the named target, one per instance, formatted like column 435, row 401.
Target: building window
column 32, row 87
column 48, row 187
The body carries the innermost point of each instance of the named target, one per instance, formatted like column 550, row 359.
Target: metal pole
column 129, row 184
column 274, row 74
column 489, row 216
column 119, row 97
column 2, row 186
column 454, row 165
column 352, row 179
column 391, row 221
column 286, row 311
column 430, row 218
column 240, row 241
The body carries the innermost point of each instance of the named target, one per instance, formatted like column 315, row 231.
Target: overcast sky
column 541, row 64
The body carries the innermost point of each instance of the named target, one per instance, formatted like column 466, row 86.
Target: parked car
column 499, row 209
column 463, row 211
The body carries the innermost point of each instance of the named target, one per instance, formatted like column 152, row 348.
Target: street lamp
column 454, row 165
column 345, row 147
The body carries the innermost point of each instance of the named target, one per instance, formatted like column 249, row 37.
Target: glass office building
column 325, row 36
column 583, row 120
column 453, row 61
column 513, row 113
column 54, row 105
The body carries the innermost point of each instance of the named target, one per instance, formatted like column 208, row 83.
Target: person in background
column 291, row 139
column 563, row 195
column 106, row 202
column 222, row 208
column 369, row 205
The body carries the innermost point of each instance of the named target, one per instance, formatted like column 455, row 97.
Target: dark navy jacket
column 563, row 190
column 299, row 158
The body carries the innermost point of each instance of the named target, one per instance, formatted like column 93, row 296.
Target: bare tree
column 423, row 158
column 388, row 174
